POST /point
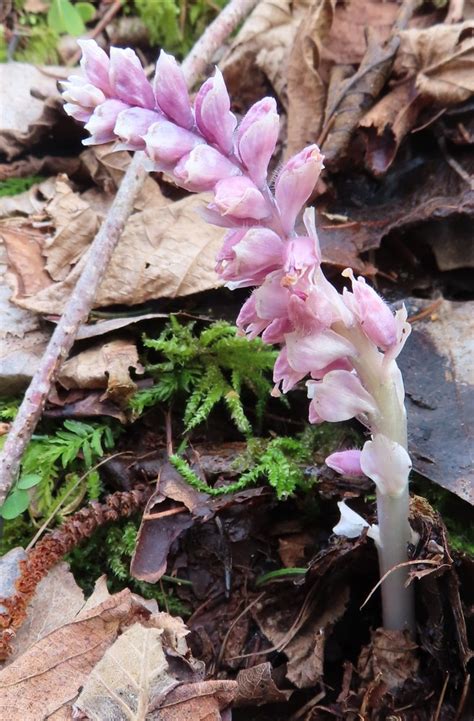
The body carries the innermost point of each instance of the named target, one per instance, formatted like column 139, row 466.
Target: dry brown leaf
column 32, row 201
column 57, row 600
column 130, row 674
column 260, row 50
column 390, row 659
column 256, row 687
column 164, row 252
column 50, row 674
column 10, row 572
column 24, row 117
column 104, row 366
column 306, row 88
column 202, row 701
column 441, row 60
column 331, row 39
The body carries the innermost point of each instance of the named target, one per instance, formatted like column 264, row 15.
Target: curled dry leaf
column 390, row 659
column 104, row 366
column 440, row 60
column 257, row 687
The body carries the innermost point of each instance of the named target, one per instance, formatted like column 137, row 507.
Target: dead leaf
column 165, row 251
column 101, row 327
column 31, row 202
column 437, row 368
column 104, row 366
column 50, row 674
column 46, row 166
column 306, row 87
column 387, row 123
column 390, row 659
column 57, row 600
column 202, row 701
column 261, row 48
column 24, row 245
column 440, row 59
column 24, row 117
column 171, row 510
column 331, row 39
column 256, row 687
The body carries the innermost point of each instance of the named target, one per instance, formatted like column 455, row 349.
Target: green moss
column 13, row 186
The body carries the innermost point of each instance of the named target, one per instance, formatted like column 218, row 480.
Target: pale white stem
column 383, row 381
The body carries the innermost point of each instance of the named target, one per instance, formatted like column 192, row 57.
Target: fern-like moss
column 206, row 369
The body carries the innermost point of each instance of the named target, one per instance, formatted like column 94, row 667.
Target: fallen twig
column 97, row 260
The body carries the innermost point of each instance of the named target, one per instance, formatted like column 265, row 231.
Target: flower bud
column 132, row 126
column 257, row 136
column 347, row 463
column 375, row 317
column 248, row 256
column 339, row 397
column 202, row 168
column 295, row 184
column 239, row 198
column 78, row 91
column 166, row 143
column 95, row 65
column 102, row 122
column 171, row 91
column 387, row 464
column 128, row 80
column 213, row 116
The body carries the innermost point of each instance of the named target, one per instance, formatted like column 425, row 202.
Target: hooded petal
column 295, row 184
column 128, row 80
column 102, row 122
column 257, row 136
column 213, row 116
column 340, row 396
column 317, row 350
column 283, row 373
column 240, row 198
column 166, row 142
column 132, row 125
column 350, row 524
column 375, row 317
column 95, row 64
column 387, row 464
column 202, row 168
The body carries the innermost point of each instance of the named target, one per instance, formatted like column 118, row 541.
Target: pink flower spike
column 166, row 142
column 257, row 136
column 202, row 168
column 347, row 463
column 387, row 464
column 317, row 350
column 283, row 373
column 128, row 80
column 132, row 126
column 295, row 184
column 171, row 91
column 376, row 318
column 213, row 116
column 248, row 256
column 95, row 65
column 102, row 122
column 339, row 397
column 239, row 198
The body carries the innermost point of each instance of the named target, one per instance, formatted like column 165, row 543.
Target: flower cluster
column 344, row 343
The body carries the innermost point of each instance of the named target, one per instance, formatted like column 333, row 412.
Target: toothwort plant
column 347, row 344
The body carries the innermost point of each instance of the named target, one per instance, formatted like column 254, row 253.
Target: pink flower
column 132, row 126
column 78, row 91
column 339, row 397
column 248, row 256
column 283, row 373
column 213, row 116
column 102, row 122
column 295, row 184
column 171, row 92
column 239, row 198
column 347, row 463
column 95, row 65
column 266, row 310
column 257, row 136
column 387, row 464
column 317, row 350
column 166, row 143
column 202, row 168
column 128, row 80
column 375, row 317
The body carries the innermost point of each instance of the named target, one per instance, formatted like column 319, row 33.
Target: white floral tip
column 350, row 524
